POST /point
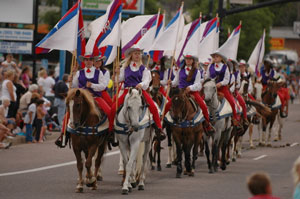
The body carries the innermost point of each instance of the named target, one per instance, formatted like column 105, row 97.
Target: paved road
column 49, row 172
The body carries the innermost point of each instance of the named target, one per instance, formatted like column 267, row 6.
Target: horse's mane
column 207, row 80
column 87, row 97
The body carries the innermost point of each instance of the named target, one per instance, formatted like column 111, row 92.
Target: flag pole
column 117, row 65
column 170, row 72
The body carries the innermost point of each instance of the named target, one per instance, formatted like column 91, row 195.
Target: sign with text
column 16, row 11
column 129, row 6
column 16, row 34
column 277, row 43
column 297, row 27
column 15, row 47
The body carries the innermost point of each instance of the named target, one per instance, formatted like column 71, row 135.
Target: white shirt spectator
column 48, row 84
column 5, row 93
column 31, row 108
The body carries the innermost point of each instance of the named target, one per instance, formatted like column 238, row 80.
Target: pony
column 131, row 124
column 186, row 137
column 220, row 137
column 88, row 128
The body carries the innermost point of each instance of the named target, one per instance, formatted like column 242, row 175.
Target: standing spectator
column 9, row 92
column 9, row 64
column 26, row 98
column 259, row 185
column 61, row 90
column 39, row 120
column 20, row 90
column 30, row 115
column 25, row 76
column 296, row 176
column 48, row 86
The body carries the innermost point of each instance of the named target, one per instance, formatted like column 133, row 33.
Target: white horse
column 221, row 135
column 130, row 138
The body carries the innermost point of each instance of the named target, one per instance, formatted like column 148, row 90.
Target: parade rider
column 267, row 74
column 135, row 75
column 244, row 74
column 189, row 78
column 219, row 71
column 91, row 79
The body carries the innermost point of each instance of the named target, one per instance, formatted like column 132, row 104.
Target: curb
column 50, row 135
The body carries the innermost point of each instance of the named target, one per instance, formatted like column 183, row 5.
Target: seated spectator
column 296, row 176
column 259, row 185
column 4, row 133
column 8, row 122
column 26, row 98
column 9, row 64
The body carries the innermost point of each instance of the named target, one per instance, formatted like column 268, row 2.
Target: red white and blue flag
column 80, row 39
column 65, row 34
column 257, row 56
column 160, row 25
column 230, row 47
column 110, row 31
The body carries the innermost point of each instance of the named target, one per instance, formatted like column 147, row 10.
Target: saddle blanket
column 225, row 109
column 198, row 118
column 277, row 103
column 99, row 129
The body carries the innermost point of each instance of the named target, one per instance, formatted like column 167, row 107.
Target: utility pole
column 35, row 31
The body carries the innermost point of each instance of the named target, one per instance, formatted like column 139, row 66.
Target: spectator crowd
column 29, row 109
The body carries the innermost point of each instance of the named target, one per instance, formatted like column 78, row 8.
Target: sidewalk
column 50, row 135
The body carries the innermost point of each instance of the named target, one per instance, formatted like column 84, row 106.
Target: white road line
column 51, row 166
column 294, row 144
column 260, row 157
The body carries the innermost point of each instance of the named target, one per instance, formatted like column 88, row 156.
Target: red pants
column 199, row 101
column 230, row 99
column 103, row 105
column 284, row 96
column 106, row 97
column 242, row 103
column 251, row 97
column 152, row 108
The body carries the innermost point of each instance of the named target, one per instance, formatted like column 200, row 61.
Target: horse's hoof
column 275, row 139
column 133, row 185
column 141, row 187
column 269, row 145
column 252, row 147
column 99, row 178
column 185, row 172
column 158, row 168
column 169, row 166
column 210, row 171
column 233, row 160
column 120, row 172
column 94, row 187
column 174, row 163
column 130, row 189
column 79, row 189
column 152, row 167
column 124, row 192
column 191, row 174
column 178, row 175
column 239, row 156
column 201, row 154
column 215, row 169
column 223, row 167
column 227, row 162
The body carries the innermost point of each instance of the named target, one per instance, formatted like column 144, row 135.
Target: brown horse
column 186, row 138
column 87, row 133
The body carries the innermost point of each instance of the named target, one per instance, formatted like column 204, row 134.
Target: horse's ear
column 77, row 94
column 140, row 92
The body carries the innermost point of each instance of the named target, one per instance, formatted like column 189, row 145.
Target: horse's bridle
column 184, row 104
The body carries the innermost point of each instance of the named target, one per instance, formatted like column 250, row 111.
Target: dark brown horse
column 186, row 138
column 87, row 134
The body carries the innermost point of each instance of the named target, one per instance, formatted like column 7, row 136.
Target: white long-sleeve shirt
column 232, row 83
column 164, row 82
column 146, row 79
column 250, row 87
column 197, row 83
column 96, row 87
column 226, row 78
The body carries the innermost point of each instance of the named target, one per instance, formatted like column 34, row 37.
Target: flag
column 110, row 52
column 160, row 25
column 80, row 39
column 257, row 55
column 134, row 30
column 64, row 35
column 230, row 47
column 190, row 41
column 169, row 38
column 209, row 42
column 108, row 27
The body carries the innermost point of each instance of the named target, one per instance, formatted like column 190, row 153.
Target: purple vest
column 236, row 75
column 82, row 79
column 172, row 74
column 219, row 75
column 183, row 83
column 161, row 75
column 103, row 71
column 133, row 78
column 264, row 77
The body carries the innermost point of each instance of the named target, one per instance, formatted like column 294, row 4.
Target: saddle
column 220, row 96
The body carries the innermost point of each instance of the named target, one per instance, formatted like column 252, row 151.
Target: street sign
column 277, row 43
column 129, row 6
column 249, row 2
column 16, row 34
column 297, row 27
column 16, row 11
column 15, row 47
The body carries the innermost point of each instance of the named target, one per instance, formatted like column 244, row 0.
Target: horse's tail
column 139, row 160
column 260, row 108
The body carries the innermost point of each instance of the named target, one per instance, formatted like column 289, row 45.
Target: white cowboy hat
column 242, row 62
column 269, row 61
column 132, row 49
column 206, row 61
column 190, row 56
column 220, row 54
column 100, row 57
column 86, row 56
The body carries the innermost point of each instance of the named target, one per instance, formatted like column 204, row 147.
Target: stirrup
column 283, row 115
column 59, row 143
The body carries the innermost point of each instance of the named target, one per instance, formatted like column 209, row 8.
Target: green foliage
column 51, row 18
column 151, row 7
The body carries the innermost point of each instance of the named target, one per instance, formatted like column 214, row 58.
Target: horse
column 186, row 137
column 88, row 128
column 131, row 133
column 160, row 100
column 220, row 137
